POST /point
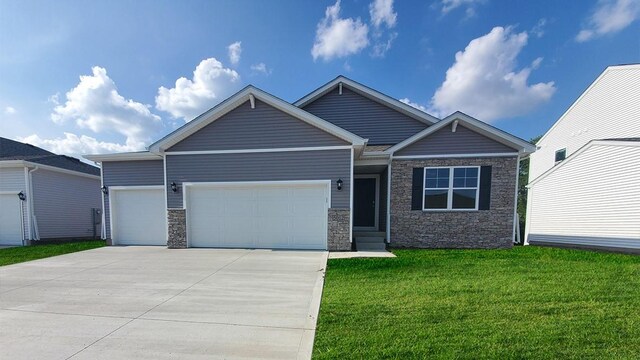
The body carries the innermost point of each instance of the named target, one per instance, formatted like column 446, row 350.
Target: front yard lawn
column 525, row 303
column 27, row 253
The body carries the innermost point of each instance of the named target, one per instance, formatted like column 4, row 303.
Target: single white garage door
column 290, row 215
column 138, row 216
column 10, row 219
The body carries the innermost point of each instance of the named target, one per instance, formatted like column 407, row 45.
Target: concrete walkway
column 156, row 303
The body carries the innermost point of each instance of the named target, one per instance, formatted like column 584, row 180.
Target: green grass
column 525, row 303
column 27, row 253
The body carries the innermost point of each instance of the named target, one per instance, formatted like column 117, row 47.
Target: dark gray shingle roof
column 15, row 150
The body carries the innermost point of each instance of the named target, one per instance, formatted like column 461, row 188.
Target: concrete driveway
column 156, row 303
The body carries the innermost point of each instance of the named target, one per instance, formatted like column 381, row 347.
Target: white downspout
column 389, row 199
column 35, row 235
column 516, row 218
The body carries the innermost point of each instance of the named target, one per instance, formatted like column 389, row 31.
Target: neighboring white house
column 46, row 196
column 584, row 184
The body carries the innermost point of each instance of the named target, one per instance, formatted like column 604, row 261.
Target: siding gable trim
column 577, row 153
column 522, row 146
column 368, row 93
column 244, row 151
column 584, row 94
column 240, row 98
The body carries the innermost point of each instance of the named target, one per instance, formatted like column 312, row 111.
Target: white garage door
column 138, row 216
column 268, row 215
column 10, row 219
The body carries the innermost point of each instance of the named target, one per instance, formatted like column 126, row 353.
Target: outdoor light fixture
column 22, row 196
column 174, row 187
column 104, row 190
column 339, row 184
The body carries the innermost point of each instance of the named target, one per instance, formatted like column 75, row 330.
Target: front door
column 364, row 202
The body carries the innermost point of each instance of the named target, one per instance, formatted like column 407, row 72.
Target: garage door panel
column 10, row 219
column 258, row 215
column 138, row 217
column 308, row 208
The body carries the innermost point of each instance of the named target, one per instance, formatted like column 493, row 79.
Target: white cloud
column 211, row 83
column 10, row 110
column 235, row 50
column 74, row 145
column 484, row 82
column 449, row 5
column 608, row 17
column 538, row 29
column 96, row 105
column 337, row 37
column 415, row 105
column 381, row 48
column 381, row 12
column 261, row 68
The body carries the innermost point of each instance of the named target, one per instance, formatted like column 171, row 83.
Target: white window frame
column 450, row 188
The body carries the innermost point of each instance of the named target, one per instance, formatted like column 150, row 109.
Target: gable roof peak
column 251, row 93
column 369, row 93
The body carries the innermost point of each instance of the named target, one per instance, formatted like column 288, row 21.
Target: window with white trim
column 451, row 188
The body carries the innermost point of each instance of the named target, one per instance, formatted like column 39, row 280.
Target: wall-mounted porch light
column 22, row 196
column 339, row 184
column 104, row 190
column 174, row 187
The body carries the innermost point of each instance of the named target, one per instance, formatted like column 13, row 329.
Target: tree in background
column 523, row 181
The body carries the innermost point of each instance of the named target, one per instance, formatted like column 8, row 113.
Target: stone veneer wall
column 485, row 229
column 338, row 232
column 177, row 221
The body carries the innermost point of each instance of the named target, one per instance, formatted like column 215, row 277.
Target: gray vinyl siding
column 365, row 117
column 445, row 142
column 12, row 179
column 129, row 173
column 63, row 202
column 276, row 166
column 260, row 128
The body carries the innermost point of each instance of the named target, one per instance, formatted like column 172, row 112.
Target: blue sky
column 105, row 76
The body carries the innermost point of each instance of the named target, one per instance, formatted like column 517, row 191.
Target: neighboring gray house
column 344, row 164
column 585, row 176
column 44, row 196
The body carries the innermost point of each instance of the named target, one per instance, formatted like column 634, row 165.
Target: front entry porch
column 370, row 207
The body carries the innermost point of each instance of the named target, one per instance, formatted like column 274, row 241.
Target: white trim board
column 449, row 156
column 240, row 98
column 145, row 155
column 369, row 93
column 266, row 150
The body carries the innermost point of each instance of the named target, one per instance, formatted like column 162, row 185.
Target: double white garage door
column 284, row 215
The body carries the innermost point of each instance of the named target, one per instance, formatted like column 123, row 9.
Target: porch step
column 368, row 243
column 369, row 246
column 358, row 234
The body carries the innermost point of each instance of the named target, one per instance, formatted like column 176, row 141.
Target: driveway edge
column 306, row 342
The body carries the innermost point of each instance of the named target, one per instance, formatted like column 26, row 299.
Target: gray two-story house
column 345, row 165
